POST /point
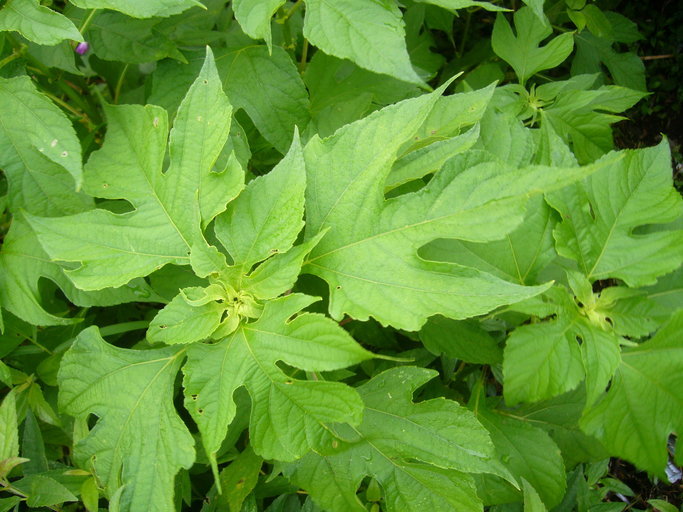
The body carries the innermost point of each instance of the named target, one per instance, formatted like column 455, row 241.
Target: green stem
column 86, row 22
column 14, row 55
column 304, row 57
column 119, row 84
column 292, row 9
column 465, row 34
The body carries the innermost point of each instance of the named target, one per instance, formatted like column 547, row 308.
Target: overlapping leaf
column 289, row 416
column 419, row 453
column 37, row 23
column 170, row 207
column 601, row 217
column 529, row 454
column 371, row 34
column 139, row 442
column 39, row 152
column 369, row 257
column 644, row 404
column 549, row 358
column 254, row 17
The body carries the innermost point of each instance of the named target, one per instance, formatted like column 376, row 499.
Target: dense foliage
column 338, row 255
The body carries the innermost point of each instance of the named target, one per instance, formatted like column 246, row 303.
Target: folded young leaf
column 37, row 23
column 139, row 442
column 369, row 258
column 289, row 416
column 170, row 207
column 644, row 404
column 601, row 216
column 445, row 438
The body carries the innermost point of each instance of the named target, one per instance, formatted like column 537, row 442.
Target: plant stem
column 14, row 55
column 304, row 56
column 86, row 23
column 465, row 34
column 119, row 84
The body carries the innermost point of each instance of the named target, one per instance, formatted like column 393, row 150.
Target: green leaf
column 602, row 214
column 182, row 322
column 523, row 51
column 371, row 34
column 369, row 258
column 9, row 447
column 39, row 151
column 146, row 9
column 37, row 23
column 252, row 229
column 532, row 501
column 278, row 273
column 269, row 89
column 643, row 405
column 170, row 207
column 46, row 492
column 131, row 391
column 463, row 4
column 239, row 479
column 529, row 453
column 289, row 416
column 583, row 118
column 546, row 359
column 254, row 17
column 117, row 37
column 592, row 52
column 464, row 340
column 32, row 446
column 517, row 258
column 22, row 265
column 443, row 437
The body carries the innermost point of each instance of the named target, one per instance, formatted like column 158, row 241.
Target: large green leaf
column 371, row 34
column 369, row 258
column 23, row 263
column 117, row 37
column 39, row 152
column 523, row 51
column 169, row 208
column 252, row 229
column 37, row 23
column 529, row 454
column 418, row 452
column 644, row 404
column 289, row 416
column 269, row 89
column 601, row 217
column 139, row 442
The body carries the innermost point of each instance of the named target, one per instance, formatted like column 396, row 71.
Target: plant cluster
column 332, row 255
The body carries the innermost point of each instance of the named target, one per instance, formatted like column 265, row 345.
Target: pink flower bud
column 82, row 48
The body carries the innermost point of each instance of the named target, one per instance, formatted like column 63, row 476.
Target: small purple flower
column 82, row 48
